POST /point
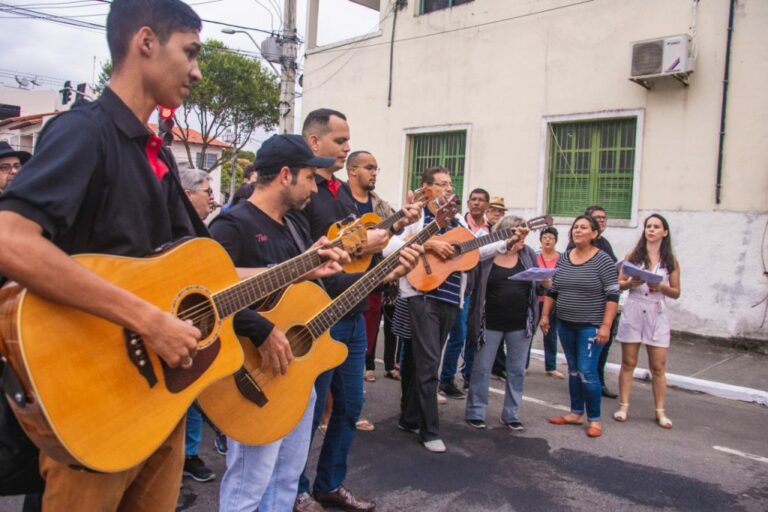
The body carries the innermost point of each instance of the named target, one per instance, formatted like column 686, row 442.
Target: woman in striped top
column 586, row 291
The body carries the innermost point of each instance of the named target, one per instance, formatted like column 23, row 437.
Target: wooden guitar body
column 358, row 263
column 432, row 270
column 286, row 395
column 96, row 396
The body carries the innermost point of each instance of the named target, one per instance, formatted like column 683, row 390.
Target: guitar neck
column 480, row 241
column 363, row 287
column 245, row 293
column 390, row 221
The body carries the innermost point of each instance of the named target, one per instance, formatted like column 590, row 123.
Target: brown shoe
column 345, row 500
column 306, row 503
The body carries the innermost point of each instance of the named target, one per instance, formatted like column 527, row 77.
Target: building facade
column 532, row 100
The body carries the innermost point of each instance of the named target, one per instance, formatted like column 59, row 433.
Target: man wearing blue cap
column 257, row 233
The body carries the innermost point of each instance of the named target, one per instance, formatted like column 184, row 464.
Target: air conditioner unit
column 665, row 56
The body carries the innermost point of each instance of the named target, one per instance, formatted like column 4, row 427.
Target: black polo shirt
column 253, row 239
column 91, row 188
column 322, row 211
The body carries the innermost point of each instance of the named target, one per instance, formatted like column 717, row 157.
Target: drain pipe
column 724, row 107
column 399, row 4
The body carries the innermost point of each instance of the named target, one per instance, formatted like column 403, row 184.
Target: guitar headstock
column 353, row 237
column 423, row 195
column 541, row 222
column 444, row 208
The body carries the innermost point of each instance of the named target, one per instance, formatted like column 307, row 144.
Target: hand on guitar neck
column 411, row 211
column 409, row 258
column 519, row 235
column 334, row 258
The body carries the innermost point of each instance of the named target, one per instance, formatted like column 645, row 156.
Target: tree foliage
column 236, row 95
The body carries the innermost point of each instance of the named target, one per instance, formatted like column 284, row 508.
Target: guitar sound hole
column 198, row 308
column 300, row 339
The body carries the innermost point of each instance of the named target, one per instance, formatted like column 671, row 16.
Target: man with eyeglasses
column 10, row 163
column 362, row 170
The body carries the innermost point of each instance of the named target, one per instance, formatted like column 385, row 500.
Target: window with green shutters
column 446, row 149
column 591, row 162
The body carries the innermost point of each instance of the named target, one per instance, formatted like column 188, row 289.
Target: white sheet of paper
column 633, row 270
column 534, row 274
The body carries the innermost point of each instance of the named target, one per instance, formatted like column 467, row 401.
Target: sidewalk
column 697, row 365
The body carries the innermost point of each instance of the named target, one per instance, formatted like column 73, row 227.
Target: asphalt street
column 715, row 458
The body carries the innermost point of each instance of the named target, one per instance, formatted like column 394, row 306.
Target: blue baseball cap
column 287, row 150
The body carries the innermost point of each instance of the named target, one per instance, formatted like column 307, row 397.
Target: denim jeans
column 265, row 478
column 583, row 354
column 455, row 344
column 517, row 348
column 346, row 385
column 194, row 431
column 550, row 342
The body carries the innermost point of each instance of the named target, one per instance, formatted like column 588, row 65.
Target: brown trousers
column 152, row 486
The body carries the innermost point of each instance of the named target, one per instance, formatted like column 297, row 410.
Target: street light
column 287, row 59
column 229, row 30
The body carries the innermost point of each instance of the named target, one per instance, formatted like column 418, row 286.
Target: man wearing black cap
column 10, row 163
column 260, row 232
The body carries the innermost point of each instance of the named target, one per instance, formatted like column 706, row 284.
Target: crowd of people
column 484, row 318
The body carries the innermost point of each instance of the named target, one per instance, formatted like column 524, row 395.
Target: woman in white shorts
column 644, row 316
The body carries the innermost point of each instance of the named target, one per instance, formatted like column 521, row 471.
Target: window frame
column 208, row 154
column 450, row 6
column 406, row 152
column 545, row 151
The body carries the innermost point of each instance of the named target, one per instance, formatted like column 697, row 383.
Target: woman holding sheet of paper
column 644, row 318
column 586, row 291
column 509, row 312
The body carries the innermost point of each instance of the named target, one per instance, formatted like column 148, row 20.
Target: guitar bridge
column 249, row 389
column 137, row 354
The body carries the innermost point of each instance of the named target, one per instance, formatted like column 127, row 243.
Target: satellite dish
column 35, row 82
column 23, row 82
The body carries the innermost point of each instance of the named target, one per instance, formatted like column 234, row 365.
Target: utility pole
column 288, row 65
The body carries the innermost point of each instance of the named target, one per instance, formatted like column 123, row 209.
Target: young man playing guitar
column 362, row 170
column 99, row 182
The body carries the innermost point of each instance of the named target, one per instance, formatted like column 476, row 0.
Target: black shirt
column 322, row 211
column 91, row 188
column 253, row 239
column 506, row 301
column 601, row 243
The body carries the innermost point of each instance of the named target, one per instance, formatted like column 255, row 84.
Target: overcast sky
column 57, row 52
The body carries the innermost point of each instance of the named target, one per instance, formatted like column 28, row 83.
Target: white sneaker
column 435, row 445
column 441, row 400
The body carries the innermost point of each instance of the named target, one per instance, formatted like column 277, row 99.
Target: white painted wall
column 502, row 68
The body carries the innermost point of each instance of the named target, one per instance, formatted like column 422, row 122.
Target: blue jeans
column 583, row 354
column 455, row 343
column 517, row 349
column 550, row 342
column 194, row 431
column 346, row 385
column 265, row 478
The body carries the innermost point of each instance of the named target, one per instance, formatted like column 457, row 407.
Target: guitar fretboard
column 478, row 242
column 243, row 294
column 345, row 302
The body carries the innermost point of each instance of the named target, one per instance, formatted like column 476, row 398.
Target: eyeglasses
column 6, row 168
column 370, row 168
column 600, row 217
column 209, row 190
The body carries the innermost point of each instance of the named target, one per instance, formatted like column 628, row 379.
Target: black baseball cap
column 287, row 150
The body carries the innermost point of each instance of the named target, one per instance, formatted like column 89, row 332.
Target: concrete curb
column 709, row 387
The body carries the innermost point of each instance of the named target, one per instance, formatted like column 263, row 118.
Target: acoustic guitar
column 91, row 393
column 255, row 407
column 362, row 261
column 432, row 270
